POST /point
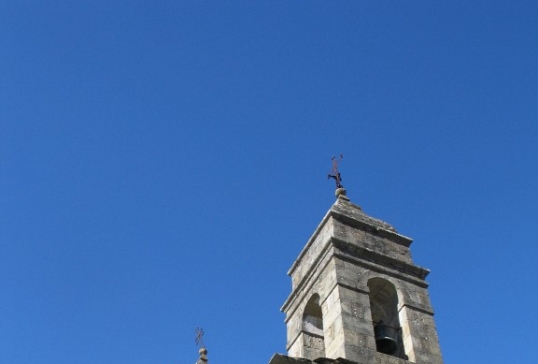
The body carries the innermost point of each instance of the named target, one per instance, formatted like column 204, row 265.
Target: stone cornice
column 352, row 215
column 379, row 262
column 359, row 220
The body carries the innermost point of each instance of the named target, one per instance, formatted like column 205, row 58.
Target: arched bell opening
column 384, row 308
column 314, row 340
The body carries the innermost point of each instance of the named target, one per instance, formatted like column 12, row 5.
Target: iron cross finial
column 334, row 172
column 199, row 340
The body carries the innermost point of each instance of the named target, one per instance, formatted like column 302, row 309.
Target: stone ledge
column 372, row 225
column 353, row 216
column 378, row 358
column 347, row 249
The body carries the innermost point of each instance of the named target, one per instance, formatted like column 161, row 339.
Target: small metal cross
column 198, row 340
column 334, row 172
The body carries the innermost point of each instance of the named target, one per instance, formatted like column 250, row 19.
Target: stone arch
column 312, row 327
column 384, row 309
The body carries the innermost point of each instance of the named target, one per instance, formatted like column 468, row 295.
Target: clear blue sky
column 162, row 163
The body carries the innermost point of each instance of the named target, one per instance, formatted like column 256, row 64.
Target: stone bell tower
column 357, row 295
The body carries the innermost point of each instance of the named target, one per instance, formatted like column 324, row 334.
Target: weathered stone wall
column 312, row 252
column 321, row 282
column 314, row 346
column 371, row 238
column 347, row 250
column 369, row 358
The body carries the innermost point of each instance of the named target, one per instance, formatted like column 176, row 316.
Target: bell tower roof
column 343, row 209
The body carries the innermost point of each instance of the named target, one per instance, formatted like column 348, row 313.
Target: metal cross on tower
column 334, row 172
column 199, row 340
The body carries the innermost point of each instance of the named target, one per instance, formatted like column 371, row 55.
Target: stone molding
column 352, row 215
column 375, row 358
column 382, row 263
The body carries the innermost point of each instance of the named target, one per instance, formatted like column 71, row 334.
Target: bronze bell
column 385, row 344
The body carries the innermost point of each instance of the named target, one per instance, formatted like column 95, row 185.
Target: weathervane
column 334, row 172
